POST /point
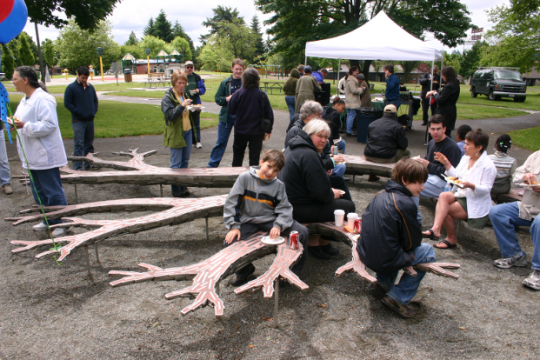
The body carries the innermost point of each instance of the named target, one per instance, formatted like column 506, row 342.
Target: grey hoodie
column 257, row 201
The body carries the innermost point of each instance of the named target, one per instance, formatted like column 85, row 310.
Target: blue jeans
column 396, row 102
column 408, row 285
column 224, row 130
column 291, row 104
column 180, row 160
column 433, row 187
column 49, row 189
column 505, row 218
column 351, row 115
column 83, row 141
column 5, row 174
column 339, row 170
column 342, row 145
column 197, row 122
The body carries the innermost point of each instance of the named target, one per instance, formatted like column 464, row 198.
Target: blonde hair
column 178, row 75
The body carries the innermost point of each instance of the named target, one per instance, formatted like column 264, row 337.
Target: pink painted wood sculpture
column 136, row 171
column 171, row 211
column 206, row 275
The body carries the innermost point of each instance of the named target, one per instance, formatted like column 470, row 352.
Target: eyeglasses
column 189, row 67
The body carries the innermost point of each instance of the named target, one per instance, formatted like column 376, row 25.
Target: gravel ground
column 58, row 311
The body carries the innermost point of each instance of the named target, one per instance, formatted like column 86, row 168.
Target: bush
column 8, row 63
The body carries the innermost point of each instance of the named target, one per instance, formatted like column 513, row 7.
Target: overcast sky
column 133, row 15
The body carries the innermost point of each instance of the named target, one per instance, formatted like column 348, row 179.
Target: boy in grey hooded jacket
column 258, row 202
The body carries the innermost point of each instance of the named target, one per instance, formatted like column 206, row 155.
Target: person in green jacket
column 226, row 121
column 290, row 91
column 178, row 134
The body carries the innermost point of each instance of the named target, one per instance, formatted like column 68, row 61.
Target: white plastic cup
column 350, row 218
column 339, row 215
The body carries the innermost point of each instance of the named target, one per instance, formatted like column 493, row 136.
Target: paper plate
column 452, row 181
column 276, row 241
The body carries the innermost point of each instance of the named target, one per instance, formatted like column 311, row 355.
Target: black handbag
column 266, row 123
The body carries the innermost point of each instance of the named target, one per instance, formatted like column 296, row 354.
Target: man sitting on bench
column 505, row 218
column 391, row 238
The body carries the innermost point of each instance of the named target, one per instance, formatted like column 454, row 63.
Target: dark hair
column 450, row 75
column 503, row 143
column 409, row 171
column 274, row 157
column 463, row 130
column 83, row 70
column 437, row 119
column 30, row 74
column 353, row 69
column 389, row 67
column 478, row 138
column 308, row 70
column 337, row 100
column 250, row 78
column 300, row 68
column 324, row 70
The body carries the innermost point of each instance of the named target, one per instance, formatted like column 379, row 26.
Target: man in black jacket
column 391, row 237
column 81, row 100
column 426, row 87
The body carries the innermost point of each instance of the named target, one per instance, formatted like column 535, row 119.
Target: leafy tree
column 259, row 44
column 163, row 27
column 183, row 48
column 87, row 14
column 8, row 62
column 27, row 58
column 215, row 55
column 453, row 60
column 134, row 50
column 150, row 28
column 32, row 45
column 77, row 47
column 470, row 60
column 132, row 39
column 153, row 43
column 222, row 15
column 296, row 21
column 238, row 39
column 49, row 52
column 408, row 68
column 515, row 35
column 178, row 30
column 14, row 46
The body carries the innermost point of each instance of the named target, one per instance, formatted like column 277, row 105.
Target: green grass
column 527, row 138
column 115, row 119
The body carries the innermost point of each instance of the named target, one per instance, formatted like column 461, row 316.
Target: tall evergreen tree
column 222, row 15
column 259, row 43
column 8, row 62
column 132, row 39
column 163, row 27
column 178, row 30
column 49, row 52
column 14, row 46
column 150, row 29
column 27, row 58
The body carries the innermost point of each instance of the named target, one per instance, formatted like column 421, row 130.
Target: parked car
column 497, row 82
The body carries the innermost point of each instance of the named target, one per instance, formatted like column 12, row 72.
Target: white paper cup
column 350, row 219
column 339, row 215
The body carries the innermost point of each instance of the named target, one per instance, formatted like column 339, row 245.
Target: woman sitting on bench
column 474, row 175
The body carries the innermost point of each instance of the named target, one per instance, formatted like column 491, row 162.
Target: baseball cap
column 308, row 68
column 188, row 63
column 390, row 108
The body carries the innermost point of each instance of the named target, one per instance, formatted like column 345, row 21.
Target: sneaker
column 533, row 281
column 8, row 190
column 199, row 145
column 58, row 232
column 377, row 291
column 348, row 134
column 329, row 249
column 516, row 260
column 40, row 227
column 398, row 308
column 318, row 252
column 238, row 281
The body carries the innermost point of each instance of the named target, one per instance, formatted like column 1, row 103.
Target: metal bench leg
column 276, row 301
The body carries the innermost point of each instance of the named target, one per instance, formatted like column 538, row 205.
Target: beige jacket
column 352, row 93
column 529, row 208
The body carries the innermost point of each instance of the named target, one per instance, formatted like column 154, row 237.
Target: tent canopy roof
column 129, row 57
column 162, row 53
column 379, row 39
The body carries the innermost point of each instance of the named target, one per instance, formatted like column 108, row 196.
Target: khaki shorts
column 473, row 223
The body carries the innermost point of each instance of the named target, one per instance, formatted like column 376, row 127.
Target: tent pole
column 338, row 74
column 429, row 102
column 305, row 60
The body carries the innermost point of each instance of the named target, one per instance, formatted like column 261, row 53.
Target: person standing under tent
column 290, row 91
column 392, row 87
column 352, row 98
column 306, row 88
column 447, row 98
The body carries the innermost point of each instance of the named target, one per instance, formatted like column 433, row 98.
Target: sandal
column 431, row 235
column 445, row 242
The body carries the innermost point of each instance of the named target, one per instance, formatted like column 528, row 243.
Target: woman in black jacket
column 250, row 105
column 447, row 98
column 309, row 188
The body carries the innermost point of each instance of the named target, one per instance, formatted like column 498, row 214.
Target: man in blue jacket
column 392, row 87
column 81, row 100
column 194, row 89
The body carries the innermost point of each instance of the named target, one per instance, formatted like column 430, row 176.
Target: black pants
column 338, row 182
column 248, row 229
column 425, row 108
column 239, row 147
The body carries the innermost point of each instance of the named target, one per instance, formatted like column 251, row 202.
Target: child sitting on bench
column 258, row 202
column 391, row 237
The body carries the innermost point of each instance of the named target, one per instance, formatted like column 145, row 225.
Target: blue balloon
column 14, row 24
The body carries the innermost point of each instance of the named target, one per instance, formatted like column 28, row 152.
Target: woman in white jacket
column 476, row 173
column 37, row 122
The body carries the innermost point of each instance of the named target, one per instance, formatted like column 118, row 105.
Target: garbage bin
column 127, row 75
column 364, row 117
